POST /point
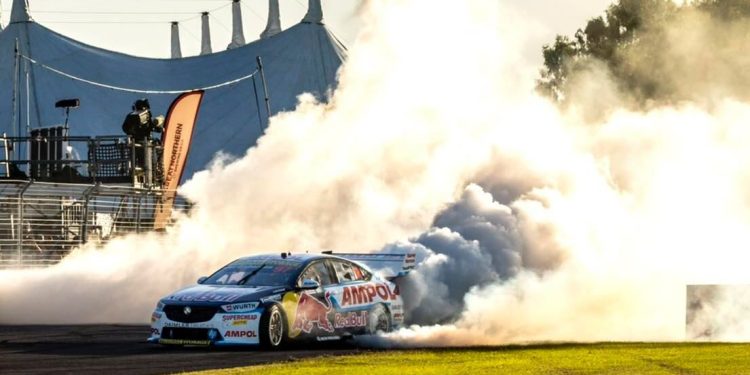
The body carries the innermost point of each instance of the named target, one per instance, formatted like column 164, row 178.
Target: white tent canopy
column 34, row 62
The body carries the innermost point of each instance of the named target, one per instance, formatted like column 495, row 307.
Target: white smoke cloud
column 532, row 224
column 718, row 311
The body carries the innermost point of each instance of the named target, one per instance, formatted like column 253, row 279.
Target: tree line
column 651, row 48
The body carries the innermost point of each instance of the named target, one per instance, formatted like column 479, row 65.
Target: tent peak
column 273, row 26
column 20, row 11
column 175, row 42
column 314, row 12
column 238, row 36
column 205, row 35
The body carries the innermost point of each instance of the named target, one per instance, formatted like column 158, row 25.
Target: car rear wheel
column 273, row 328
column 378, row 320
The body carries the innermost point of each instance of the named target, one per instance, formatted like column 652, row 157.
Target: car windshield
column 257, row 271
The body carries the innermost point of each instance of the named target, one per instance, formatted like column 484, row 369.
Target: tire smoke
column 531, row 224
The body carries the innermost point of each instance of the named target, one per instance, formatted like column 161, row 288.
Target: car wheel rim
column 275, row 328
column 382, row 324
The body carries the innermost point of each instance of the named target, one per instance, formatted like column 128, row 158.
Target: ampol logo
column 240, row 334
column 366, row 293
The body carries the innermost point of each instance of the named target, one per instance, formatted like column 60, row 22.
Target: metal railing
column 40, row 223
column 55, row 157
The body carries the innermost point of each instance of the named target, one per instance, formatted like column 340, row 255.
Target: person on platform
column 139, row 124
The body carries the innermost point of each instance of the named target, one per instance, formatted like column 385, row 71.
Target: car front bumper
column 222, row 329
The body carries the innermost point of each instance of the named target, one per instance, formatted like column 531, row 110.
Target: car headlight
column 160, row 306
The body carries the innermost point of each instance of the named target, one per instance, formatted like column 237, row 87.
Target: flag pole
column 265, row 88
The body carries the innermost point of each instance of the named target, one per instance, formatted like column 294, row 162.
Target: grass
column 607, row 358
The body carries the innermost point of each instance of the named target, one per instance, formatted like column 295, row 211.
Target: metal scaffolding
column 40, row 222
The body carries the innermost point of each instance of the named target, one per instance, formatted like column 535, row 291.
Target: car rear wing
column 387, row 265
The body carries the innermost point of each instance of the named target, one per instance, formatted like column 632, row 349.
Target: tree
column 635, row 41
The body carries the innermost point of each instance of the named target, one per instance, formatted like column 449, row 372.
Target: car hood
column 222, row 293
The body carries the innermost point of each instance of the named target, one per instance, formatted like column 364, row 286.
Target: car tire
column 273, row 328
column 378, row 319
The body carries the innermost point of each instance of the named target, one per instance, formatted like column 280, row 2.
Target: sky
column 142, row 27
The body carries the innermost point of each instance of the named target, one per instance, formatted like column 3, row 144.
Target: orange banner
column 178, row 133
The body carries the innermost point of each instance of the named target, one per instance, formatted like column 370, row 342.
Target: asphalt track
column 121, row 349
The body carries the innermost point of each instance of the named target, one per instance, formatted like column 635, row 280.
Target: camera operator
column 139, row 124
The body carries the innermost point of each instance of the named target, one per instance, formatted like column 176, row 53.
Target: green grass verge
column 608, row 358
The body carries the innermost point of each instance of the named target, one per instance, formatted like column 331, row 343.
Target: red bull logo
column 310, row 311
column 349, row 320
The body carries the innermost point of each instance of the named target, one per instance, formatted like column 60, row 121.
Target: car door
column 349, row 296
column 313, row 315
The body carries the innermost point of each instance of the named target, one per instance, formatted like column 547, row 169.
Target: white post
column 314, row 12
column 205, row 35
column 273, row 26
column 176, row 50
column 238, row 36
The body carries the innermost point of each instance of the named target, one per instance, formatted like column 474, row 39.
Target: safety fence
column 53, row 156
column 40, row 223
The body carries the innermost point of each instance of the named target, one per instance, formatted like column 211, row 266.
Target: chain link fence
column 40, row 223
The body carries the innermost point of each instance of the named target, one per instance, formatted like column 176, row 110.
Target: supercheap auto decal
column 238, row 320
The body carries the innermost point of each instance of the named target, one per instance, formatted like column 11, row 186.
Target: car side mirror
column 309, row 284
column 202, row 279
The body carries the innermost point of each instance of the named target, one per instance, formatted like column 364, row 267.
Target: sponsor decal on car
column 312, row 312
column 271, row 298
column 410, row 262
column 239, row 317
column 207, row 297
column 240, row 334
column 240, row 307
column 170, row 323
column 154, row 332
column 328, row 338
column 184, row 342
column 238, row 320
column 155, row 316
column 350, row 320
column 366, row 293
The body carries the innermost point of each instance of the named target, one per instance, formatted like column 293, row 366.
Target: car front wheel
column 273, row 328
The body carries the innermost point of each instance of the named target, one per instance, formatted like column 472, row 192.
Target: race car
column 269, row 300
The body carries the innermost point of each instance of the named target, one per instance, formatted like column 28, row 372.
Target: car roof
column 303, row 258
column 300, row 257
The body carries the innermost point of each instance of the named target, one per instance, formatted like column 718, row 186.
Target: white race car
column 268, row 300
